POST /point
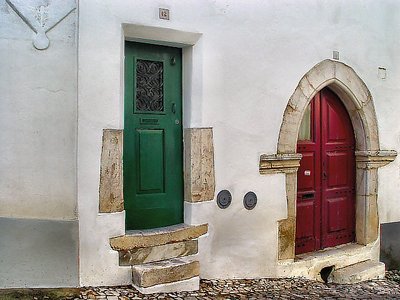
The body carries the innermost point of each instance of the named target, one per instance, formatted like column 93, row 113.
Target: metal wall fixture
column 250, row 200
column 224, row 199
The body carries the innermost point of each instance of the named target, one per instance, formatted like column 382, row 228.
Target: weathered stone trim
column 355, row 95
column 111, row 190
column 155, row 237
column 309, row 265
column 351, row 90
column 199, row 164
column 374, row 159
column 279, row 163
column 287, row 234
column 164, row 272
column 192, row 284
column 139, row 256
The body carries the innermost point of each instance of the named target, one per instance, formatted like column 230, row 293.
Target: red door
column 326, row 177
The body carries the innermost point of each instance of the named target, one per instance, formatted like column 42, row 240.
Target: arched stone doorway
column 358, row 101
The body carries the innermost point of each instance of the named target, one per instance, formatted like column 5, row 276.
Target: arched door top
column 355, row 95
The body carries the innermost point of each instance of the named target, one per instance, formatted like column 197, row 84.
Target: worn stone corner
column 111, row 181
column 199, row 165
column 286, row 239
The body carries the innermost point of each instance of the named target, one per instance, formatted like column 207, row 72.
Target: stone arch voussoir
column 355, row 95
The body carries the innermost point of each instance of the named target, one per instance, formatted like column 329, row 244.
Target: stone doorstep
column 309, row 265
column 159, row 236
column 340, row 254
column 163, row 272
column 139, row 256
column 363, row 271
column 188, row 285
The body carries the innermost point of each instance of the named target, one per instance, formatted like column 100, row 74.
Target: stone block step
column 156, row 237
column 363, row 271
column 139, row 256
column 164, row 272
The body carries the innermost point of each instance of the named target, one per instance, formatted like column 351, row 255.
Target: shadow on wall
column 390, row 245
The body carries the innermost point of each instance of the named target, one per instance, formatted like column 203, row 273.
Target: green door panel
column 152, row 158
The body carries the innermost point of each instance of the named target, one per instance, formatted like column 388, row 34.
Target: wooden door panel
column 329, row 157
column 153, row 143
column 336, row 131
column 151, row 161
column 305, row 227
column 306, row 178
column 337, row 214
column 305, row 213
column 337, row 147
column 336, row 163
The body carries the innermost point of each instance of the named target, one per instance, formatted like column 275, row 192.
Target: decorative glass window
column 305, row 126
column 149, row 85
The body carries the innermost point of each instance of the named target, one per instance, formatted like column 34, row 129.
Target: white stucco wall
column 244, row 68
column 37, row 119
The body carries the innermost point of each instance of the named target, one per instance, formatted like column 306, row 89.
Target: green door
column 153, row 175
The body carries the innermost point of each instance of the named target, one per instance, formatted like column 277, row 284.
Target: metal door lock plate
column 250, row 200
column 224, row 199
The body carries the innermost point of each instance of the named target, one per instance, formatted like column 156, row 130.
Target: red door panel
column 326, row 178
column 335, row 163
column 307, row 166
column 336, row 131
column 337, row 214
column 306, row 235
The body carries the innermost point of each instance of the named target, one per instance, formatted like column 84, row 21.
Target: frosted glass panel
column 305, row 126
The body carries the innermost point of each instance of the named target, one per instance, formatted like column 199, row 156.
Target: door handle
column 324, row 175
column 173, row 108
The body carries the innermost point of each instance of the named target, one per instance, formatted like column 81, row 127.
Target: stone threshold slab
column 363, row 271
column 310, row 265
column 187, row 285
column 159, row 236
column 346, row 249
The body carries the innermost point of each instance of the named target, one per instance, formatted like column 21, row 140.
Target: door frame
column 358, row 101
column 196, row 140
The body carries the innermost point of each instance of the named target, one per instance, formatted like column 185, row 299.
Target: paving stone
column 243, row 289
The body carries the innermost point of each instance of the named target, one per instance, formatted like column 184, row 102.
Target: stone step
column 156, row 237
column 164, row 273
column 363, row 271
column 138, row 256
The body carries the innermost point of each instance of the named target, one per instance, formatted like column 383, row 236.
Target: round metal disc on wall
column 250, row 200
column 224, row 199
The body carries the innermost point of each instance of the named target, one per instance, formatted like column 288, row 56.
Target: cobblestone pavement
column 388, row 288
